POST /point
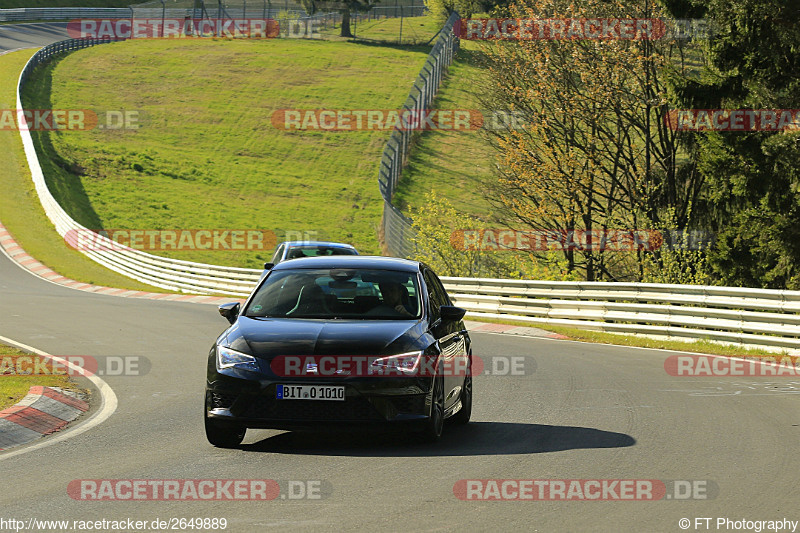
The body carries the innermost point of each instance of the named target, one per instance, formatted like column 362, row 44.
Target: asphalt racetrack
column 579, row 411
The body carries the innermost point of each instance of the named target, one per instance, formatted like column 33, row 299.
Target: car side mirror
column 451, row 313
column 268, row 266
column 229, row 311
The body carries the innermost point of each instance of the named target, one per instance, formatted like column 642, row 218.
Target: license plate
column 310, row 392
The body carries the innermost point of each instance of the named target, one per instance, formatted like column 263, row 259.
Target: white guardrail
column 760, row 317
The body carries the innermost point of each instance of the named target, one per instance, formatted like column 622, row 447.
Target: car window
column 434, row 294
column 337, row 293
column 278, row 254
column 318, row 251
column 441, row 291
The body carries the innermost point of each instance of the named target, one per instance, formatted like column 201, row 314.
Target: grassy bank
column 20, row 210
column 455, row 163
column 206, row 154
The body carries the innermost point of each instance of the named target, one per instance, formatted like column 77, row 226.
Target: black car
column 336, row 342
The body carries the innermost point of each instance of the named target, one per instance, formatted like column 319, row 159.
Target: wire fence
column 398, row 234
column 281, row 10
column 62, row 13
column 333, row 20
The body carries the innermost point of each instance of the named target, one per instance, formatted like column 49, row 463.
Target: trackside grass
column 206, row 154
column 14, row 385
column 20, row 210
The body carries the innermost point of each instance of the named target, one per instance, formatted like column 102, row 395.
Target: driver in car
column 394, row 296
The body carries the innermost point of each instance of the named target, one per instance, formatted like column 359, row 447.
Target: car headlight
column 227, row 358
column 406, row 363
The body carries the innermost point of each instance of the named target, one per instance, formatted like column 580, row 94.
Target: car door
column 452, row 344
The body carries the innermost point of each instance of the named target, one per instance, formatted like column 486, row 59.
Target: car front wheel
column 434, row 424
column 464, row 414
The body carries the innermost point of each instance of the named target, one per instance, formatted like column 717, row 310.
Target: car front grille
column 353, row 408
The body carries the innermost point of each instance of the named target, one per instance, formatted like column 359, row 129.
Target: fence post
column 401, row 26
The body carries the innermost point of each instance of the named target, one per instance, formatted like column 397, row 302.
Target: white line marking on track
column 107, row 407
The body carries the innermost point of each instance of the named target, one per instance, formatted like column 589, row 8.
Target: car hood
column 266, row 338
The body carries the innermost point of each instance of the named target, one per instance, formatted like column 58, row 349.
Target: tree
column 594, row 152
column 753, row 177
column 439, row 242
column 440, row 9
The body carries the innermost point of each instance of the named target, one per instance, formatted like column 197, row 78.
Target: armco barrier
column 769, row 318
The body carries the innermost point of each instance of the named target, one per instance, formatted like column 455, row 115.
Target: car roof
column 318, row 243
column 350, row 261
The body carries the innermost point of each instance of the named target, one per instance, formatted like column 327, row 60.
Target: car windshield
column 315, row 251
column 337, row 293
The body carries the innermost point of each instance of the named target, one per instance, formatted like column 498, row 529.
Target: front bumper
column 376, row 402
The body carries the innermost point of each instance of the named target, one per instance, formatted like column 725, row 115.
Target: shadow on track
column 476, row 438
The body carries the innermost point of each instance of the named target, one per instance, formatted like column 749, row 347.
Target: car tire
column 464, row 414
column 435, row 423
column 223, row 435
